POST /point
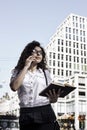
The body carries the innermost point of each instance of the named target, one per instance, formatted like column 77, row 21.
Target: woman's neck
column 33, row 68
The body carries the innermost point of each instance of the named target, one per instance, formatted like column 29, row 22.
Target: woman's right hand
column 29, row 61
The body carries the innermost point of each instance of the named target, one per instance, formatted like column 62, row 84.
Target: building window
column 69, row 30
column 66, row 57
column 83, row 39
column 69, row 43
column 54, row 71
column 69, row 50
column 58, row 71
column 70, row 73
column 70, row 65
column 73, row 51
column 66, row 36
column 58, row 56
column 66, row 29
column 81, row 53
column 73, row 37
column 59, row 48
column 84, row 53
column 74, row 31
column 77, row 59
column 61, row 42
column 58, row 41
column 50, row 62
column 77, row 52
column 83, row 33
column 74, row 59
column 62, row 56
column 76, row 24
column 61, row 64
column 66, row 43
column 77, row 31
column 66, row 72
column 69, row 58
column 81, row 60
column 69, row 36
column 53, row 55
column 66, row 50
column 84, row 46
column 53, row 62
column 66, row 64
column 58, row 63
column 50, row 55
column 84, row 60
column 62, row 72
column 76, row 38
column 81, row 93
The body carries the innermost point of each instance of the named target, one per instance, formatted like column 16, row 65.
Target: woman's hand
column 53, row 96
column 29, row 60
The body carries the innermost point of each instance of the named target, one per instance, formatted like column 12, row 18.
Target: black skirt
column 41, row 114
column 38, row 118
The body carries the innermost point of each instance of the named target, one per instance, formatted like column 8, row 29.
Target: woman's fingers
column 52, row 95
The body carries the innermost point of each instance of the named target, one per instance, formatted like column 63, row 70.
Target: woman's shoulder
column 47, row 71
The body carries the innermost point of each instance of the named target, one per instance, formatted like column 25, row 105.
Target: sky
column 22, row 21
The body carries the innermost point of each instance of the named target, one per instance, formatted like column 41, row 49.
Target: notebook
column 64, row 89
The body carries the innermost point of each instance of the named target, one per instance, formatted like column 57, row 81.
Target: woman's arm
column 16, row 82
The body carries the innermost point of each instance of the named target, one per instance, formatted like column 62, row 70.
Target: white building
column 67, row 58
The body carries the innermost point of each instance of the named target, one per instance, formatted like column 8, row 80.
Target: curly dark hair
column 27, row 52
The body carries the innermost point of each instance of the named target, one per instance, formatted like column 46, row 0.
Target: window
column 53, row 55
column 62, row 56
column 50, row 62
column 66, row 57
column 66, row 29
column 83, row 33
column 69, row 65
column 66, row 36
column 69, row 58
column 82, row 93
column 58, row 71
column 74, row 59
column 69, row 30
column 66, row 64
column 81, row 80
column 58, row 56
column 77, row 31
column 69, row 50
column 53, row 71
column 58, row 48
column 66, row 72
column 61, row 64
column 73, row 37
column 61, row 49
column 53, row 62
column 66, row 50
column 58, row 63
column 50, row 55
column 59, row 41
column 73, row 31
column 77, row 59
column 62, row 71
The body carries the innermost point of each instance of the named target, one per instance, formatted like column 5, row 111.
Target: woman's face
column 37, row 53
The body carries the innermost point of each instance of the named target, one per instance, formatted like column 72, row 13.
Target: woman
column 29, row 78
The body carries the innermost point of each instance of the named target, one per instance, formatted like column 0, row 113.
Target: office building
column 67, row 61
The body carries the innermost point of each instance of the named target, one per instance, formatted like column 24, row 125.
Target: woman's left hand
column 53, row 96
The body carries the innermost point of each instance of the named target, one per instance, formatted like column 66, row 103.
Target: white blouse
column 33, row 84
